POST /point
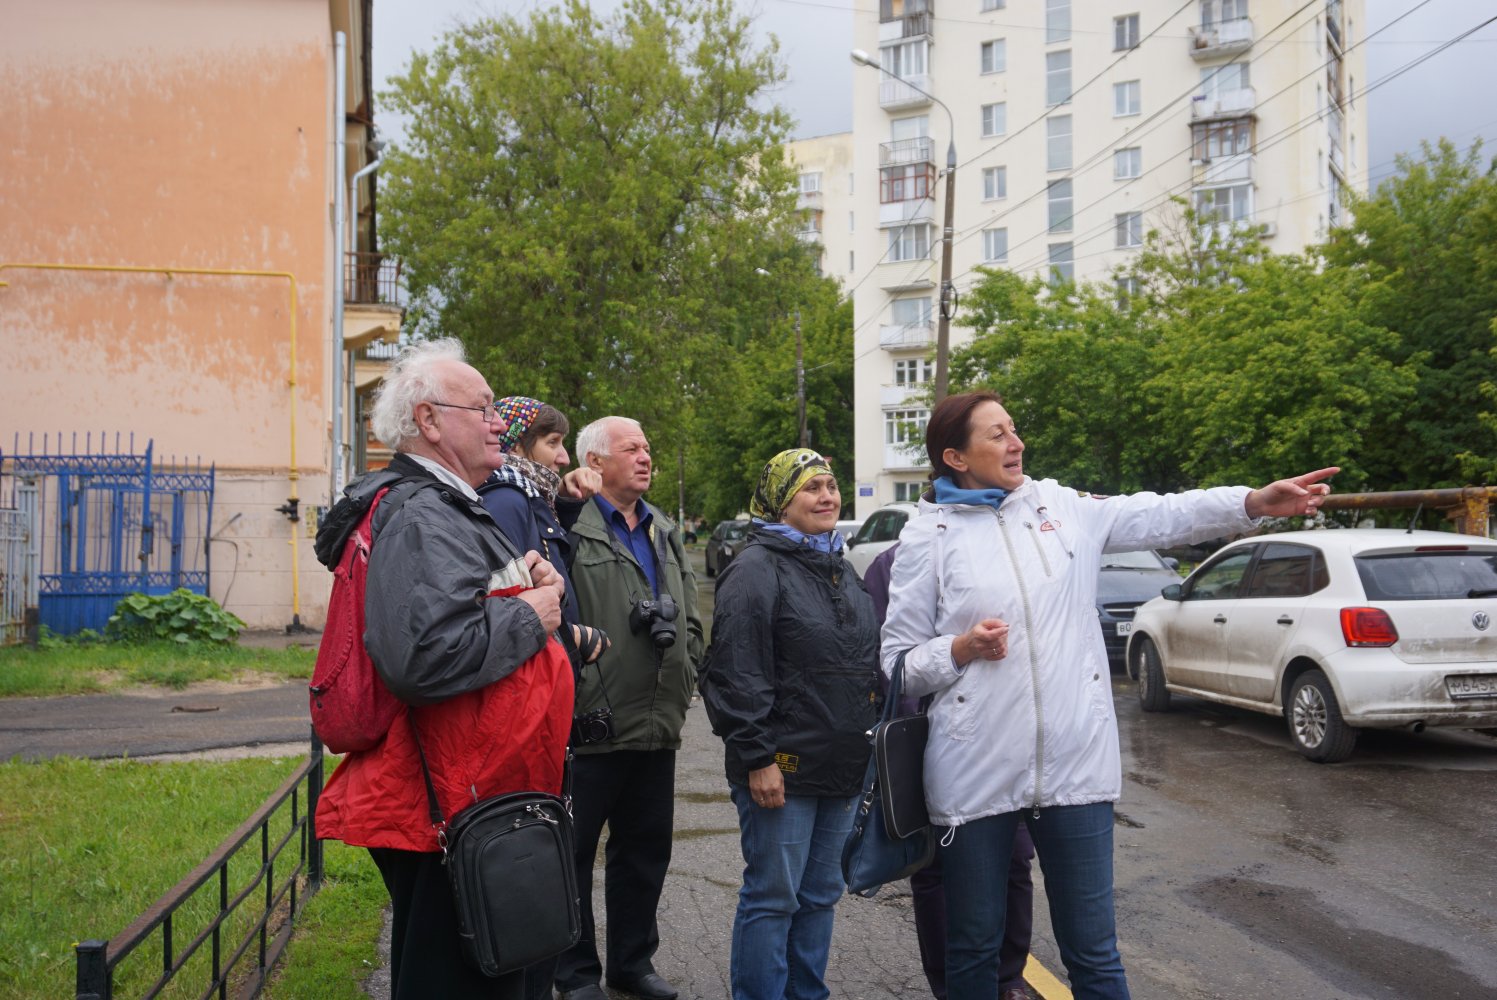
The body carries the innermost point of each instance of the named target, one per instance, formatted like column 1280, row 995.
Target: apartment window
column 1218, row 80
column 1125, row 32
column 913, row 371
column 851, row 228
column 1062, row 263
column 1127, row 287
column 994, row 119
column 905, row 427
column 905, row 58
column 850, row 267
column 849, row 183
column 994, row 183
column 1127, row 163
column 909, row 243
column 811, row 220
column 994, row 246
column 1058, row 77
column 914, row 127
column 1225, row 204
column 910, row 182
column 1127, row 98
column 1213, row 12
column 1210, row 140
column 1059, row 196
column 1130, row 229
column 810, row 183
column 911, row 312
column 1057, row 21
column 994, row 56
column 1058, row 142
column 909, row 491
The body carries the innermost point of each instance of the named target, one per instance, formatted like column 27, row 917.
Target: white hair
column 410, row 380
column 597, row 437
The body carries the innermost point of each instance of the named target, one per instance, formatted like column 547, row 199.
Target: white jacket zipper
column 1034, row 669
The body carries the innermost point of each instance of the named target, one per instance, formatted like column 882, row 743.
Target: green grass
column 86, row 846
column 333, row 949
column 68, row 668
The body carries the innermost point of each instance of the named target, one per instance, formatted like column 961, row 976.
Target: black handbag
column 514, row 881
column 891, row 835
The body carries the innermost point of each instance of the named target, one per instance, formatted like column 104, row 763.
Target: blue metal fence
column 113, row 523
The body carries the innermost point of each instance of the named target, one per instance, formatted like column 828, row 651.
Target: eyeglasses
column 490, row 411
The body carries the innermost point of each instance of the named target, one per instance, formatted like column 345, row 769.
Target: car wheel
column 1153, row 696
column 1315, row 723
column 710, row 570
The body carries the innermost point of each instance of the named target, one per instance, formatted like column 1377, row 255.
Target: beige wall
column 167, row 133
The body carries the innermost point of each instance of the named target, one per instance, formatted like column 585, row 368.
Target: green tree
column 583, row 201
column 1425, row 246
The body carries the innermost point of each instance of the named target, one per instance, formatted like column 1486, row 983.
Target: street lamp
column 948, row 296
column 800, row 369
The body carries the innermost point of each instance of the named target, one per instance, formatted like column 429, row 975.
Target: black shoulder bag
column 891, row 834
column 514, row 881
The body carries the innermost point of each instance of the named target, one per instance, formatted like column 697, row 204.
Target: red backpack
column 351, row 707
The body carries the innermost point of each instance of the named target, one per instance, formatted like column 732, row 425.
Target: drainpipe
column 340, row 265
column 292, row 504
column 345, row 459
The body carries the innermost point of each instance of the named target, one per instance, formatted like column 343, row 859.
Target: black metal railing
column 371, row 279
column 281, row 901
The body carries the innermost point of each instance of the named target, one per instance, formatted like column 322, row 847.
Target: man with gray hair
column 443, row 639
column 631, row 576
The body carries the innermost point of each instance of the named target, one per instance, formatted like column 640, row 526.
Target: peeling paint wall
column 186, row 134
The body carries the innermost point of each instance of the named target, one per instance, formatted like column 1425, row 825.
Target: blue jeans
column 792, row 880
column 1074, row 844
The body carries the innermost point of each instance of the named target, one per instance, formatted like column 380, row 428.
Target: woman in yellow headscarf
column 790, row 685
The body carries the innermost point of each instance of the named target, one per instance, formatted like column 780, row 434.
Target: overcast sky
column 1450, row 94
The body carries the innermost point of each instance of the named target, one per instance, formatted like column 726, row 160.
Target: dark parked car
column 1128, row 579
column 727, row 541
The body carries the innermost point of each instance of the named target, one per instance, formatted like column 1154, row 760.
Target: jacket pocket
column 956, row 710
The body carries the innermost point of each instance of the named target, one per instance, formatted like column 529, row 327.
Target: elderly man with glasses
column 443, row 644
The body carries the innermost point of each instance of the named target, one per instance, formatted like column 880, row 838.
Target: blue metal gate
column 113, row 523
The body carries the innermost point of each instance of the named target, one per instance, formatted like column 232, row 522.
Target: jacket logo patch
column 1049, row 525
column 787, row 762
column 1083, row 494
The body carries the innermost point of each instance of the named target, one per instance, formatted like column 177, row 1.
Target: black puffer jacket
column 792, row 674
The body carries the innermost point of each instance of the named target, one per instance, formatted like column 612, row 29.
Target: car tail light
column 1367, row 627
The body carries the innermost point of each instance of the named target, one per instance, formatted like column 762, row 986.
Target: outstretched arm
column 1301, row 495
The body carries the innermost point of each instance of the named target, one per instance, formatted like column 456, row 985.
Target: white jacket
column 1035, row 728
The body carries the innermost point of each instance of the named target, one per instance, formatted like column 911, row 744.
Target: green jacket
column 649, row 688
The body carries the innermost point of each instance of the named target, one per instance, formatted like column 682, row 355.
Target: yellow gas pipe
column 291, row 474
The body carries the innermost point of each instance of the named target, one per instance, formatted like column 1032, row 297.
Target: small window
column 1058, row 77
column 994, row 183
column 913, row 371
column 810, row 183
column 1285, row 570
column 994, row 119
column 1222, row 579
column 1453, row 574
column 1060, row 198
column 1127, row 287
column 1058, row 142
column 1127, row 163
column 994, row 56
column 1125, row 32
column 1127, row 98
column 994, row 246
column 908, row 492
column 1062, row 263
column 1130, row 229
column 1057, row 21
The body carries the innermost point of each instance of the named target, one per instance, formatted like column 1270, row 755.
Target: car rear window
column 1429, row 575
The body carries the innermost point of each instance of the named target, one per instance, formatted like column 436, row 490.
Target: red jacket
column 510, row 736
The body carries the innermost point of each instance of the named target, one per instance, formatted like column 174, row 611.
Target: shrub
column 180, row 616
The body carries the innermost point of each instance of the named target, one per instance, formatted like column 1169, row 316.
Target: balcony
column 905, row 456
column 897, row 213
column 897, row 396
column 902, row 151
column 1224, row 230
column 903, row 19
column 1234, row 169
column 809, row 236
column 809, row 200
column 906, row 336
column 1224, row 104
column 1220, row 38
column 371, row 299
column 897, row 95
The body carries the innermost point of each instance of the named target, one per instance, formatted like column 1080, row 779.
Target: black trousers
column 425, row 957
column 634, row 793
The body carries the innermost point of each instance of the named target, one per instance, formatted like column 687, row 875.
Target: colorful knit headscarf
column 519, row 412
column 782, row 479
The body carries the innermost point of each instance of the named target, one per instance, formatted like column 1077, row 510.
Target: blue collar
column 827, row 541
column 948, row 492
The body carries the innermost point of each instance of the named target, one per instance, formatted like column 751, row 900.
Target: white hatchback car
column 878, row 533
column 1334, row 630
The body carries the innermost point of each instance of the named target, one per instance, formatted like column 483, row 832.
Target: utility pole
column 800, row 379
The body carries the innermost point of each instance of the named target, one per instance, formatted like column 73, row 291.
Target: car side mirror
column 1172, row 563
column 850, row 542
column 1171, row 593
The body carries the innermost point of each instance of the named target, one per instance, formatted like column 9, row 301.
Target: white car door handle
column 1284, row 620
column 1220, row 619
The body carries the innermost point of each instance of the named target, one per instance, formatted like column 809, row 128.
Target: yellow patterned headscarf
column 783, row 478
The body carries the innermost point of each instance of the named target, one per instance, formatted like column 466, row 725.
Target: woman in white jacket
column 993, row 597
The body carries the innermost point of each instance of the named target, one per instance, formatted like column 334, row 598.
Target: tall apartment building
column 1075, row 124
column 827, row 200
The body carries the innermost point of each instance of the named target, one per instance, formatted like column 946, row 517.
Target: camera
column 658, row 616
column 594, row 727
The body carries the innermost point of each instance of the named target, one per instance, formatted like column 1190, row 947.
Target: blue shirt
column 636, row 539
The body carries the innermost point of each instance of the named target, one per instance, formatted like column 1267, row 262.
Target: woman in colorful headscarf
column 790, row 685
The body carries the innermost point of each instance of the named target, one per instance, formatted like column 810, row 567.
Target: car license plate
column 1124, row 628
column 1471, row 685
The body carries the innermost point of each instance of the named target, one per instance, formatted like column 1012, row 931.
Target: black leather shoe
column 590, row 992
column 649, row 986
